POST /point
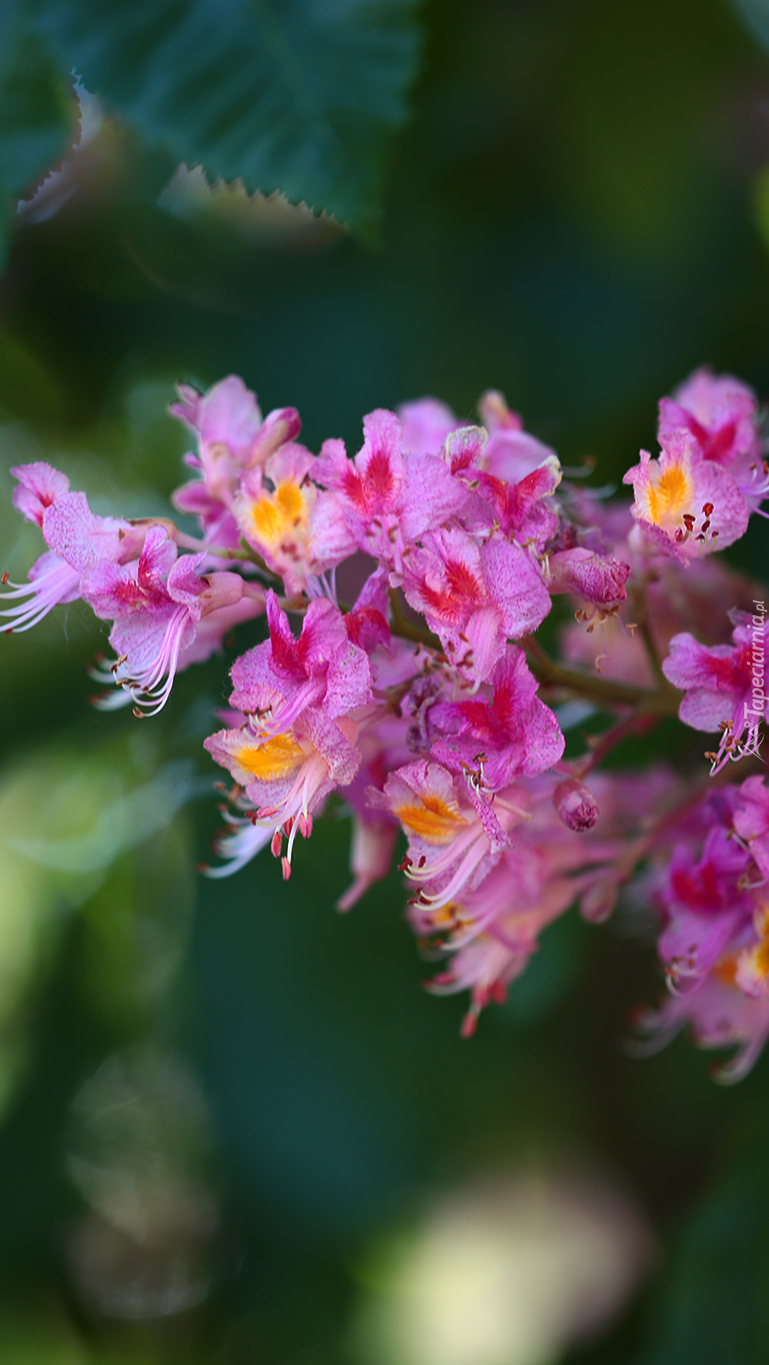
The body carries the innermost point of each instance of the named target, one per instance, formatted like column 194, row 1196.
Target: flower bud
column 575, row 804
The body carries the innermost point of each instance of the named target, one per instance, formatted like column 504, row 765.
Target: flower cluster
column 400, row 672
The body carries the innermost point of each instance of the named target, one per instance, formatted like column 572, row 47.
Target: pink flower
column 299, row 530
column 751, row 820
column 721, row 415
column 718, row 683
column 51, row 583
column 718, row 1014
column 685, row 505
column 303, row 701
column 522, row 511
column 475, row 597
column 322, row 670
column 511, row 453
column 426, row 423
column 75, row 537
column 371, row 854
column 390, row 498
column 232, row 437
column 502, row 735
column 490, row 928
column 451, row 843
column 39, row 487
column 575, row 804
column 156, row 604
column 286, row 777
column 704, row 905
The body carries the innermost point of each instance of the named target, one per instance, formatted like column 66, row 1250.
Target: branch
column 605, row 691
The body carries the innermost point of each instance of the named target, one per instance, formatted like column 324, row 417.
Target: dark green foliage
column 300, row 96
column 37, row 112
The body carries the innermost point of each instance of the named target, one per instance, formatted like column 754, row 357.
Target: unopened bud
column 575, row 804
column 496, row 415
column 284, row 424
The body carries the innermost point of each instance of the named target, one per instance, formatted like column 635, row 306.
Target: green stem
column 604, row 691
column 409, row 630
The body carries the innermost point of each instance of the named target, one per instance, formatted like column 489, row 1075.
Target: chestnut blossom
column 403, row 682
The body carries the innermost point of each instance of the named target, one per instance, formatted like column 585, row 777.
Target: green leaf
column 36, row 115
column 301, row 96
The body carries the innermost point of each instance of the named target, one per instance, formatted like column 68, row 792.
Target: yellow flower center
column 669, row 494
column 275, row 758
column 277, row 515
column 432, row 819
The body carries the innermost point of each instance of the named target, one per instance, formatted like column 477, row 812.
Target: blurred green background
column 234, row 1128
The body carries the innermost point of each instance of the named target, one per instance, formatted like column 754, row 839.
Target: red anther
column 288, row 825
column 4, row 579
column 706, row 525
column 422, row 861
column 285, row 864
column 405, row 864
column 708, row 508
column 688, row 521
column 139, row 713
column 276, row 844
column 305, row 826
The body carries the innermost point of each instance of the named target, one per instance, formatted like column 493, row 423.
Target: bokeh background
column 233, row 1126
